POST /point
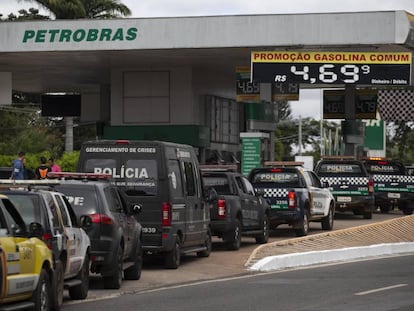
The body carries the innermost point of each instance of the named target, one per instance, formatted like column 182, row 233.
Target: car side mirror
column 85, row 221
column 325, row 184
column 211, row 195
column 36, row 230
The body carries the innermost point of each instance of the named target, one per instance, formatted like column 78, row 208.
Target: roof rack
column 78, row 175
column 283, row 163
column 218, row 167
column 340, row 157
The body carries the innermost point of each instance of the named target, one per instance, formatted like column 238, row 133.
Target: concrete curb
column 281, row 262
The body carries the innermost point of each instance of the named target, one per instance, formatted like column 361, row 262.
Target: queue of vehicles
column 130, row 199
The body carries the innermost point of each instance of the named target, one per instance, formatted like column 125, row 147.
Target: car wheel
column 41, row 295
column 173, row 257
column 208, row 244
column 57, row 287
column 134, row 272
column 303, row 225
column 384, row 209
column 407, row 211
column 328, row 220
column 114, row 281
column 264, row 236
column 367, row 215
column 81, row 291
column 234, row 241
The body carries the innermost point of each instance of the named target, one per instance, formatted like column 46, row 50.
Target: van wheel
column 114, row 281
column 234, row 241
column 41, row 295
column 384, row 209
column 134, row 272
column 173, row 257
column 208, row 244
column 303, row 225
column 264, row 236
column 57, row 287
column 81, row 291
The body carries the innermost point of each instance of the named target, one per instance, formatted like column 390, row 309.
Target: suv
column 26, row 267
column 115, row 234
column 238, row 210
column 350, row 183
column 69, row 243
column 295, row 194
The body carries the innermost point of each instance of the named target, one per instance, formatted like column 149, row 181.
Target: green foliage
column 91, row 9
column 32, row 14
column 69, row 161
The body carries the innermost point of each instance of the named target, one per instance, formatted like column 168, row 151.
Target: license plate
column 344, row 199
column 393, row 195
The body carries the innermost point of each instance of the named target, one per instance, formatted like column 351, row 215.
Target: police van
column 163, row 179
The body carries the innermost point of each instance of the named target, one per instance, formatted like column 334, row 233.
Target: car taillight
column 166, row 214
column 101, row 219
column 291, row 199
column 221, row 208
column 370, row 185
column 47, row 238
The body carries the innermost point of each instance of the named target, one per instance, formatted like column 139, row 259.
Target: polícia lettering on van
column 130, row 172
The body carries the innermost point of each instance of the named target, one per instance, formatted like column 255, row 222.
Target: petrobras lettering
column 79, row 35
column 123, row 172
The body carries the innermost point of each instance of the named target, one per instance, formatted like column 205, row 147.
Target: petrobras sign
column 70, row 35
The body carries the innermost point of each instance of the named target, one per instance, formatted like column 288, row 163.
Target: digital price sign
column 365, row 104
column 362, row 68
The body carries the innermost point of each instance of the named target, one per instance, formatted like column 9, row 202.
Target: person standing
column 53, row 166
column 18, row 167
column 42, row 170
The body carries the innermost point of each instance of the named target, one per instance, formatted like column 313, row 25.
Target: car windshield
column 220, row 184
column 385, row 168
column 82, row 199
column 277, row 177
column 27, row 205
column 338, row 169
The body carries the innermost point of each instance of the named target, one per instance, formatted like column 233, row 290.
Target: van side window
column 175, row 179
column 190, row 185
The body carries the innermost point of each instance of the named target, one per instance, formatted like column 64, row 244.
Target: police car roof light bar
column 341, row 157
column 27, row 183
column 218, row 167
column 78, row 175
column 283, row 163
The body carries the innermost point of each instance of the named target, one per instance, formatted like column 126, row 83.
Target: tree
column 32, row 14
column 76, row 9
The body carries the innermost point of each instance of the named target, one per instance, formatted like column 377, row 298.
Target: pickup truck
column 394, row 188
column 295, row 194
column 237, row 210
column 350, row 183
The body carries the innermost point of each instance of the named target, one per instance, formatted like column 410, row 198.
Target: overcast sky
column 309, row 103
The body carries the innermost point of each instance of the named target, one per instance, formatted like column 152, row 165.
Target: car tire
column 328, row 221
column 303, row 225
column 134, row 272
column 384, row 209
column 367, row 215
column 81, row 291
column 234, row 241
column 407, row 211
column 114, row 281
column 57, row 287
column 173, row 257
column 264, row 236
column 208, row 244
column 41, row 296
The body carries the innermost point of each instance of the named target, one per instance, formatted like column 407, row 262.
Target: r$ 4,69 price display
column 332, row 68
